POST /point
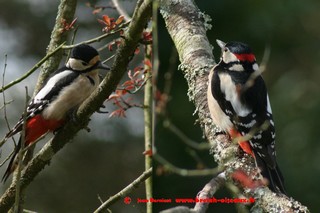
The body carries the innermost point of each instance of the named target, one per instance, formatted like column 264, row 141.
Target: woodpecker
column 239, row 104
column 61, row 94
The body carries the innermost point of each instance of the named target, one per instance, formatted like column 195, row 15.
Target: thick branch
column 123, row 56
column 59, row 35
column 187, row 27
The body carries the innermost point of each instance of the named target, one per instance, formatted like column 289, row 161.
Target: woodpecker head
column 237, row 56
column 85, row 58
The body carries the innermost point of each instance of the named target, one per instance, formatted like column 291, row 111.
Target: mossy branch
column 59, row 35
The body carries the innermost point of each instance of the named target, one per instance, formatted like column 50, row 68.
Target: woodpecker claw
column 100, row 111
column 219, row 133
column 56, row 130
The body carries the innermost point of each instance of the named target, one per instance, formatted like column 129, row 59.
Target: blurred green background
column 95, row 164
column 291, row 29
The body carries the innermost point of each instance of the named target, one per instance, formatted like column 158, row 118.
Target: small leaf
column 96, row 11
column 130, row 87
column 118, row 113
column 137, row 69
column 127, row 83
column 130, row 75
column 110, row 47
column 148, row 63
column 119, row 20
column 101, row 21
column 147, row 36
column 137, row 51
column 148, row 152
column 106, row 20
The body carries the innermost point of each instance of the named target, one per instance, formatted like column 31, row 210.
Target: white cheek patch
column 76, row 64
column 236, row 67
column 228, row 57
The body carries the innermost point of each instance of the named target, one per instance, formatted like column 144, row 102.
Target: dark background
column 95, row 164
column 291, row 30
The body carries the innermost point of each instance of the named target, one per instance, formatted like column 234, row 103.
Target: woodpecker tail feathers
column 12, row 163
column 273, row 175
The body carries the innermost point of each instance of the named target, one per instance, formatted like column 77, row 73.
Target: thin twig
column 121, row 11
column 262, row 68
column 18, row 197
column 148, row 124
column 5, row 103
column 184, row 172
column 34, row 68
column 208, row 191
column 126, row 191
column 7, row 158
column 72, row 41
column 3, row 94
column 185, row 139
column 137, row 89
column 108, row 59
column 99, row 38
column 28, row 211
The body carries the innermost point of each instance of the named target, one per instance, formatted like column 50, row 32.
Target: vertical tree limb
column 187, row 28
column 19, row 197
column 59, row 35
column 148, row 125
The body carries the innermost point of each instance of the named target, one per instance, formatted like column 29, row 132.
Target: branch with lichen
column 59, row 35
column 131, row 38
column 187, row 27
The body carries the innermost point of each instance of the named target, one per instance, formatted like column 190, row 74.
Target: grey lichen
column 206, row 20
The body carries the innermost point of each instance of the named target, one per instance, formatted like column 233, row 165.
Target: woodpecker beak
column 221, row 43
column 102, row 66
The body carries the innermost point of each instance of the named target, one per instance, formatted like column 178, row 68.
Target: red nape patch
column 246, row 57
column 37, row 126
column 245, row 146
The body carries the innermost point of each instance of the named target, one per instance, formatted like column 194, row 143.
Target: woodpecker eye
column 225, row 50
column 84, row 63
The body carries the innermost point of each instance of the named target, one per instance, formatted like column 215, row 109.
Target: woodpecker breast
column 218, row 116
column 71, row 96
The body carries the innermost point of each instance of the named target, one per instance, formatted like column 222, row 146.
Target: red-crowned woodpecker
column 63, row 92
column 239, row 104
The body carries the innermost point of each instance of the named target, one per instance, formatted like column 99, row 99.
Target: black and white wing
column 59, row 80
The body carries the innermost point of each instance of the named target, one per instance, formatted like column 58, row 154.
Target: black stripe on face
column 91, row 80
